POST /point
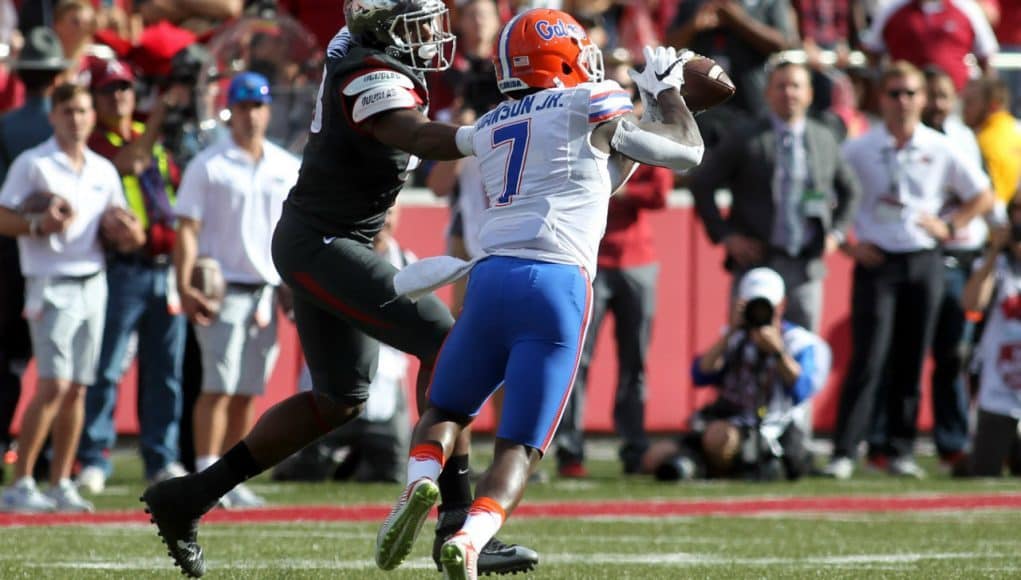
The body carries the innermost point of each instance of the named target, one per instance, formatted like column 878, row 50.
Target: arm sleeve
column 848, row 192
column 815, row 361
column 966, row 179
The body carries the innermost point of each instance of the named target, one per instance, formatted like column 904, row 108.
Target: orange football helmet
column 544, row 49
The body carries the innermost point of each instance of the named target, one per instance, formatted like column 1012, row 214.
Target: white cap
column 761, row 283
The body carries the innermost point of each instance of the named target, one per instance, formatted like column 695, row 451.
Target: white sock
column 204, row 461
column 484, row 519
column 419, row 468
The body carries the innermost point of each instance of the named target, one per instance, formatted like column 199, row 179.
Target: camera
column 758, row 312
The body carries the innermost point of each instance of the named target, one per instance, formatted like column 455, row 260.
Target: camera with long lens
column 758, row 312
column 181, row 124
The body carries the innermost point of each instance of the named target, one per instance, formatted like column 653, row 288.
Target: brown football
column 40, row 201
column 706, row 84
column 207, row 278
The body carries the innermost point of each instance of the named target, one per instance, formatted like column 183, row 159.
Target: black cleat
column 495, row 557
column 167, row 505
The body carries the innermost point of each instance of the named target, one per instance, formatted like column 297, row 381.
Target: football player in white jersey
column 550, row 157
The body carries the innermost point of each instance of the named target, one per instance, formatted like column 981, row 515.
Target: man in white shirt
column 908, row 173
column 237, row 186
column 65, row 290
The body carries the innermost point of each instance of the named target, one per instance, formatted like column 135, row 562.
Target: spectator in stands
column 196, row 15
column 824, row 25
column 792, row 195
column 75, row 22
column 986, row 109
column 141, row 298
column 377, row 442
column 625, row 285
column 477, row 27
column 952, row 338
column 1005, row 16
column 65, row 290
column 38, row 67
column 740, row 35
column 995, row 288
column 228, row 204
column 933, row 32
column 765, row 368
column 908, row 173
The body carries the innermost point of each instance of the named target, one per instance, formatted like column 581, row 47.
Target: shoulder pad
column 377, row 78
column 607, row 100
column 383, row 98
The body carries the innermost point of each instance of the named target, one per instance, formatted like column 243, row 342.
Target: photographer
column 995, row 288
column 764, row 368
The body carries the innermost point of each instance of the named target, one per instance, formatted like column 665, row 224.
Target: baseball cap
column 108, row 72
column 761, row 283
column 249, row 87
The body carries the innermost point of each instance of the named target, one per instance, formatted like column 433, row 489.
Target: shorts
column 523, row 325
column 237, row 355
column 67, row 332
column 345, row 305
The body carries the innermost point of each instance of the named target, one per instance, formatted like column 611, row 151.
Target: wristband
column 464, row 139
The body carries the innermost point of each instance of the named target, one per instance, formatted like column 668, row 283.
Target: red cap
column 110, row 71
column 157, row 45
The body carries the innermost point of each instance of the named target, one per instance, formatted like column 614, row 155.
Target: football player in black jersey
column 368, row 131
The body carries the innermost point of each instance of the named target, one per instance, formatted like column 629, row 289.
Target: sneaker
column 67, row 499
column 92, row 479
column 397, row 534
column 459, row 558
column 495, row 557
column 25, row 497
column 241, row 497
column 839, row 468
column 572, row 471
column 169, row 471
column 905, row 466
column 171, row 506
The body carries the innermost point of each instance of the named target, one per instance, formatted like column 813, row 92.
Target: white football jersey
column 548, row 187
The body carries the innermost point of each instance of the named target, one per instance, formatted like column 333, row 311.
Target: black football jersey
column 348, row 179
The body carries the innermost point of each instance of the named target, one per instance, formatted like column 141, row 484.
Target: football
column 706, row 84
column 207, row 278
column 116, row 229
column 40, row 201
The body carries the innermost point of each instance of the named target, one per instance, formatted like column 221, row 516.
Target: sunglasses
column 898, row 93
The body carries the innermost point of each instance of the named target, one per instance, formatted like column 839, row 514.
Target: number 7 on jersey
column 516, row 135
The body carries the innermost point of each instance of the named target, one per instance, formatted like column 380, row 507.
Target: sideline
column 582, row 509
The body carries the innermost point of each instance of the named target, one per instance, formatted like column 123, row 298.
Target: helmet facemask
column 422, row 38
column 590, row 61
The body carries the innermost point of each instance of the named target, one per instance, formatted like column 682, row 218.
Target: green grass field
column 920, row 544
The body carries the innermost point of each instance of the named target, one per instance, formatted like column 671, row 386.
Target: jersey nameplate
column 377, row 78
column 382, row 99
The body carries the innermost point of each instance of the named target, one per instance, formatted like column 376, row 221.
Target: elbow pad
column 653, row 149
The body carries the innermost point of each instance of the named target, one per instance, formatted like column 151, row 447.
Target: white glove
column 664, row 70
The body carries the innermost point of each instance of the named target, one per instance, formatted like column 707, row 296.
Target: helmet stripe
column 504, row 45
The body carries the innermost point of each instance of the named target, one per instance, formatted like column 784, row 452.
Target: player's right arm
column 385, row 104
column 671, row 140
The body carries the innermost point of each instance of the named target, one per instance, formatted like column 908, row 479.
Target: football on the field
column 207, row 278
column 39, row 201
column 706, row 84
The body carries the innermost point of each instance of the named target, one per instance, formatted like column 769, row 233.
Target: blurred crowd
column 882, row 129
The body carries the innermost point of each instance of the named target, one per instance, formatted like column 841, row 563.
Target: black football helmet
column 415, row 31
